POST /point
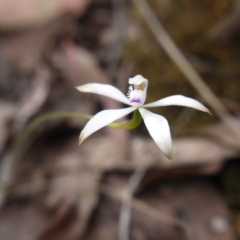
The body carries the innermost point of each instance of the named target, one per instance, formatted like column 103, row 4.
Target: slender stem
column 128, row 124
column 48, row 116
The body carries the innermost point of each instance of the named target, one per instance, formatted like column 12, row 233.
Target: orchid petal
column 178, row 100
column 159, row 130
column 105, row 90
column 102, row 119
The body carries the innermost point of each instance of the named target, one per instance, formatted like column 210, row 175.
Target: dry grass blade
column 179, row 59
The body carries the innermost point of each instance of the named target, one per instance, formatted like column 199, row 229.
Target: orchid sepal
column 102, row 119
column 178, row 100
column 159, row 130
column 104, row 90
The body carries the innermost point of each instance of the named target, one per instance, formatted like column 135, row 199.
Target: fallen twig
column 127, row 196
column 149, row 210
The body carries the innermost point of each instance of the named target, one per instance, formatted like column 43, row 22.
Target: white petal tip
column 204, row 109
column 208, row 111
column 169, row 155
column 80, row 140
column 80, row 88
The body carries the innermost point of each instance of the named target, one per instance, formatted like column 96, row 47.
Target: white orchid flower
column 156, row 124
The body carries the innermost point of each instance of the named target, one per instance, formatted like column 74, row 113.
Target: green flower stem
column 50, row 116
column 128, row 124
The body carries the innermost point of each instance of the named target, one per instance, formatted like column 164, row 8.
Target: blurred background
column 117, row 184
